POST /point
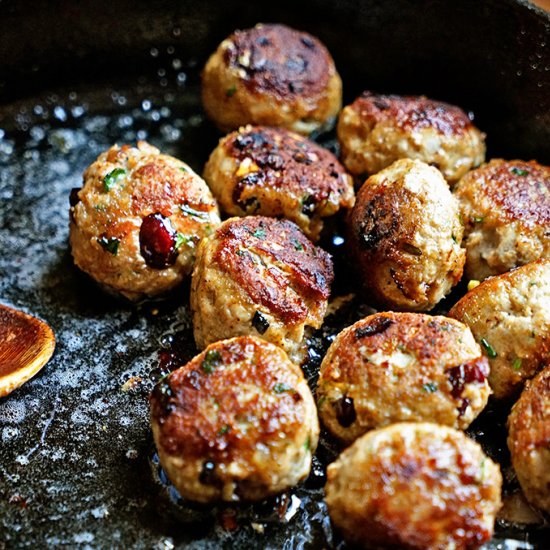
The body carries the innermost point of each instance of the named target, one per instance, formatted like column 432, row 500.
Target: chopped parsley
column 224, row 429
column 478, row 219
column 297, row 245
column 491, row 353
column 280, row 387
column 109, row 244
column 430, row 387
column 212, row 359
column 516, row 365
column 186, row 209
column 519, row 171
column 259, row 233
column 112, row 177
column 230, row 92
column 182, row 239
column 454, row 239
column 183, row 169
column 307, row 444
column 411, row 249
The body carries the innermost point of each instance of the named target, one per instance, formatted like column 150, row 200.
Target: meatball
column 272, row 75
column 376, row 130
column 274, row 172
column 392, row 367
column 263, row 277
column 509, row 316
column 414, row 485
column 136, row 222
column 237, row 422
column 529, row 440
column 505, row 207
column 405, row 235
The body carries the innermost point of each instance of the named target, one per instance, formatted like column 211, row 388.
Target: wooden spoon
column 26, row 345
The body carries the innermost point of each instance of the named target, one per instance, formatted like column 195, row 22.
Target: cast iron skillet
column 77, row 464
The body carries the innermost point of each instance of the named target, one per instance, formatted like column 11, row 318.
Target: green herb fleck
column 211, row 360
column 280, row 387
column 183, row 169
column 454, row 239
column 321, row 401
column 182, row 239
column 411, row 249
column 478, row 219
column 112, row 177
column 259, row 233
column 186, row 209
column 307, row 444
column 533, row 283
column 519, row 171
column 490, row 350
column 297, row 244
column 224, row 429
column 430, row 387
column 109, row 244
column 230, row 92
column 516, row 365
column 100, row 207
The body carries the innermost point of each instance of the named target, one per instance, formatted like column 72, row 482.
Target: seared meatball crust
column 529, row 440
column 136, row 222
column 505, row 208
column 416, row 486
column 394, row 367
column 238, row 422
column 376, row 130
column 263, row 277
column 274, row 172
column 272, row 75
column 405, row 234
column 509, row 315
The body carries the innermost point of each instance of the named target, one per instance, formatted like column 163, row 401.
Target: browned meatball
column 405, row 234
column 272, row 75
column 274, row 172
column 509, row 315
column 394, row 367
column 376, row 130
column 237, row 422
column 137, row 220
column 259, row 276
column 529, row 440
column 505, row 208
column 416, row 486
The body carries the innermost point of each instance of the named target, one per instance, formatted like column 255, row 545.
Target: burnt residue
column 374, row 326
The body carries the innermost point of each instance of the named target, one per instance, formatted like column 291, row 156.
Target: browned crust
column 529, row 422
column 290, row 164
column 246, row 245
column 182, row 403
column 412, row 113
column 424, row 487
column 519, row 190
column 380, row 233
column 280, row 61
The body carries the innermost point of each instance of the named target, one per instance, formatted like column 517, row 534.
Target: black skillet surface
column 77, row 464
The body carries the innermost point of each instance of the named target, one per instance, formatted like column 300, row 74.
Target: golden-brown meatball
column 274, row 172
column 529, row 440
column 414, row 485
column 394, row 367
column 237, row 422
column 137, row 220
column 405, row 236
column 509, row 316
column 259, row 276
column 505, row 208
column 376, row 130
column 272, row 75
